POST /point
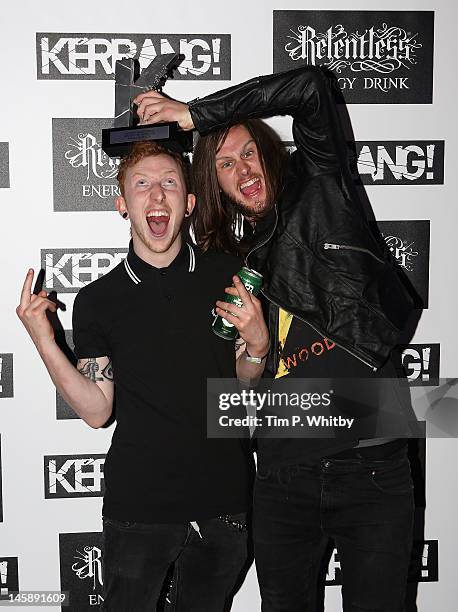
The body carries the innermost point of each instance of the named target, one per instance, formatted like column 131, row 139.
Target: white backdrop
column 29, row 430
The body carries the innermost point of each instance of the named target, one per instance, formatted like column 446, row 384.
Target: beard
column 251, row 213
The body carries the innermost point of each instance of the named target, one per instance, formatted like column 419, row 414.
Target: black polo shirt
column 155, row 325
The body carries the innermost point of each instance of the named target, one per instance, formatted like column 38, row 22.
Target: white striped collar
column 192, row 258
column 138, row 270
column 130, row 272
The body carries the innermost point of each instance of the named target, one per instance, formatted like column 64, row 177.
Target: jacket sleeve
column 302, row 93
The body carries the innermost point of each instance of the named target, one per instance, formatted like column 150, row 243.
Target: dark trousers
column 207, row 563
column 364, row 502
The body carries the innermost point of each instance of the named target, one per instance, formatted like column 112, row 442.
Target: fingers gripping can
column 253, row 282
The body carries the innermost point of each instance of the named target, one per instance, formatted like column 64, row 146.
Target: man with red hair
column 143, row 338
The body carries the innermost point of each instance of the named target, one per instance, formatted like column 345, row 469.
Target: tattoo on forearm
column 91, row 369
column 107, row 371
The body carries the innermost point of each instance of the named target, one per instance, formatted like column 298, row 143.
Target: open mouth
column 158, row 221
column 250, row 188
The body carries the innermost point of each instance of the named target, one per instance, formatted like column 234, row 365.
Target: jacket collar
column 263, row 231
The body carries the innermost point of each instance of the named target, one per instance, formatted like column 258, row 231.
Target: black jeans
column 364, row 504
column 208, row 559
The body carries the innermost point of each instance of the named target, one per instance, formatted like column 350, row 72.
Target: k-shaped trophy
column 118, row 140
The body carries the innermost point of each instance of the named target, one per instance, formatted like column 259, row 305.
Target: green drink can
column 253, row 282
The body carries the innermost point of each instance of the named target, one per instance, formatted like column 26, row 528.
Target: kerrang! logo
column 384, row 50
column 67, row 270
column 89, row 565
column 94, row 55
column 402, row 250
column 74, row 476
column 86, row 152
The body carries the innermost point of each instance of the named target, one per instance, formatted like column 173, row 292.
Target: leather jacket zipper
column 344, row 348
column 267, row 239
column 300, row 318
column 337, row 247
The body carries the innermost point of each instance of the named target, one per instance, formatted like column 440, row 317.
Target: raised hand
column 154, row 107
column 32, row 311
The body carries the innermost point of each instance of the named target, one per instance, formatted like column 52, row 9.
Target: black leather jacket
column 318, row 256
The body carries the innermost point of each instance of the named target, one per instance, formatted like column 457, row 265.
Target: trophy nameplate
column 118, row 140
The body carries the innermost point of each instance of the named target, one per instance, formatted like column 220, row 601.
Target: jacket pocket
column 122, row 525
column 346, row 247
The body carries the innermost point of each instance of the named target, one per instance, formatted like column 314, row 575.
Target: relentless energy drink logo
column 408, row 242
column 375, row 56
column 74, row 476
column 93, row 56
column 67, row 270
column 404, row 251
column 81, row 569
column 395, row 162
column 6, row 375
column 4, row 165
column 9, row 576
column 421, row 363
column 84, row 177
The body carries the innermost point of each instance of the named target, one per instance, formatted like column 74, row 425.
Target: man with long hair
column 336, row 309
column 143, row 338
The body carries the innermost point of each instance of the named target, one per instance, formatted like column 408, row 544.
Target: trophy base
column 117, row 142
